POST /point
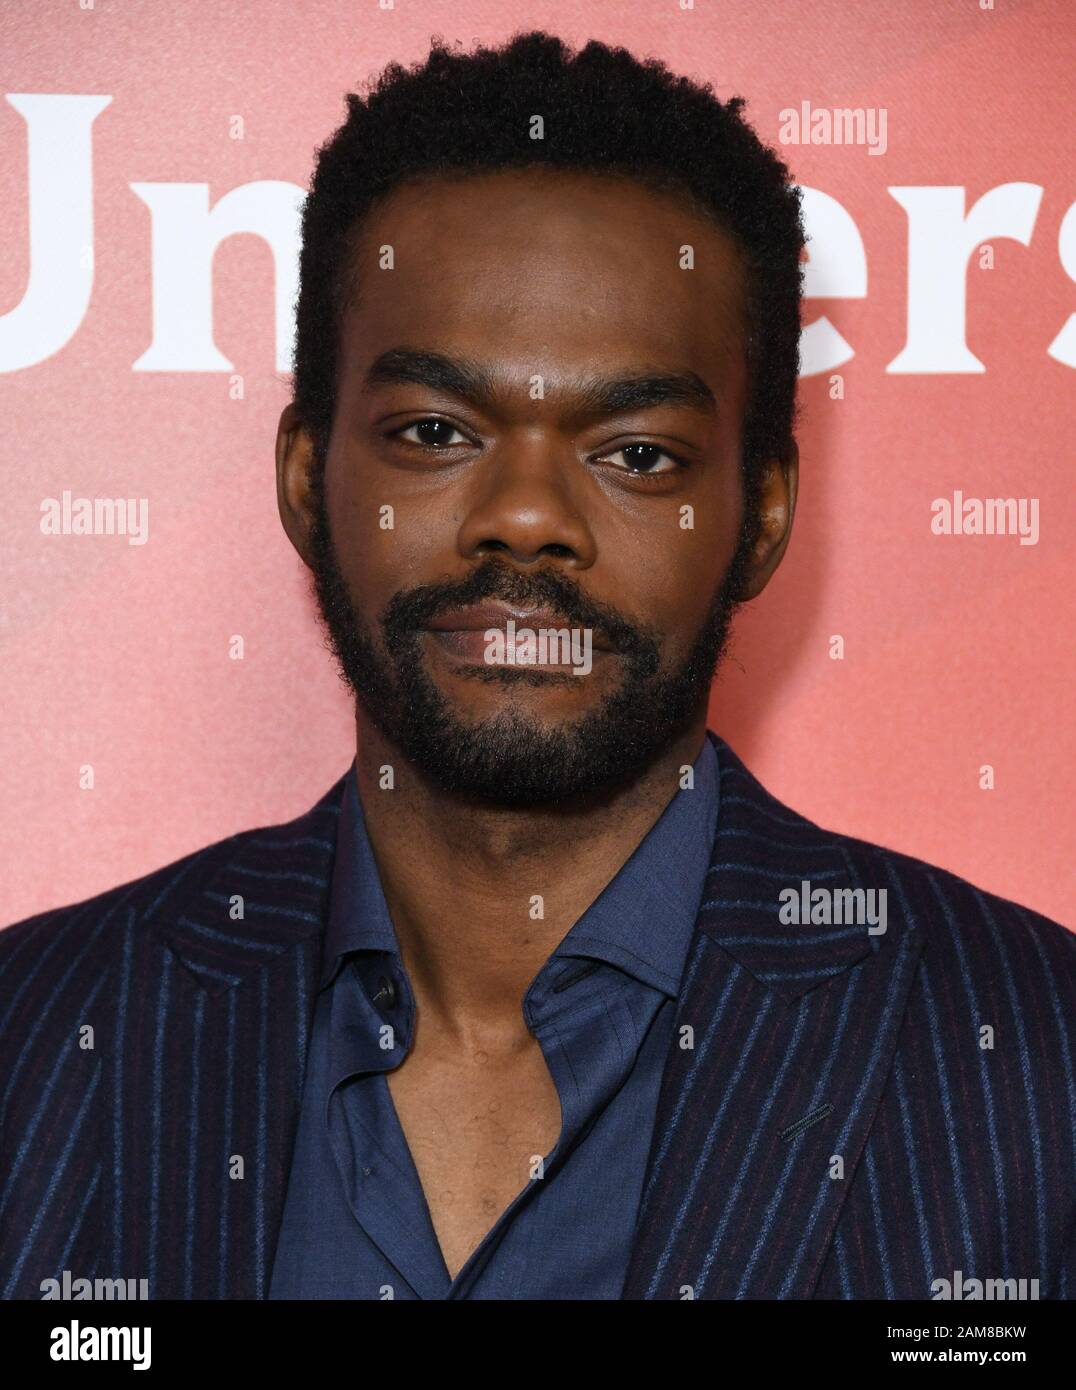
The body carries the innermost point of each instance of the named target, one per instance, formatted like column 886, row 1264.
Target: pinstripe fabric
column 123, row 1160
column 162, row 1150
column 953, row 1156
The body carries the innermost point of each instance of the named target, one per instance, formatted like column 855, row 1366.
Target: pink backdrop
column 136, row 363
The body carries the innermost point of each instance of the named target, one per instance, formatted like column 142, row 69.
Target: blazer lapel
column 785, row 1036
column 215, row 1005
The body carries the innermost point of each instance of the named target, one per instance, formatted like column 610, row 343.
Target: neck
column 480, row 895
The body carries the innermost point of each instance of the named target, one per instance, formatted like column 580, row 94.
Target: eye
column 433, row 433
column 646, row 459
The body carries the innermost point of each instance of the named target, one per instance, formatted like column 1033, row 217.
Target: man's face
column 494, row 456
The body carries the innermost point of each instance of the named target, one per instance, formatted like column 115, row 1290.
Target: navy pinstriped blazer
column 830, row 1124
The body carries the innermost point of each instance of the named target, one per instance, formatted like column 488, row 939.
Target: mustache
column 411, row 609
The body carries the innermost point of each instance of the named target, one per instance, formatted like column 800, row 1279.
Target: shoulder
column 1007, row 971
column 37, row 953
column 38, row 950
column 138, row 896
column 983, row 933
column 991, row 966
column 983, row 941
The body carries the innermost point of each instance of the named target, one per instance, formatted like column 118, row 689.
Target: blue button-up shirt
column 356, row 1224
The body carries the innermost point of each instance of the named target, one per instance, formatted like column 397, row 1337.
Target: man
column 547, row 997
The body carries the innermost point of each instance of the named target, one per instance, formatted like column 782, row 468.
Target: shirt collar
column 641, row 922
column 358, row 913
column 644, row 918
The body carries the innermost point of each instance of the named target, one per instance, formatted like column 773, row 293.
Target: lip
column 481, row 617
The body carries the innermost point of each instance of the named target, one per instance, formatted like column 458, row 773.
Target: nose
column 529, row 504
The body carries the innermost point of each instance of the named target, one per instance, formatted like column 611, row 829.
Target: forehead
column 550, row 272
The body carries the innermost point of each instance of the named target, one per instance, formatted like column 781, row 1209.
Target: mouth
column 502, row 636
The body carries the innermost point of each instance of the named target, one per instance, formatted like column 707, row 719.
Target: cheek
column 368, row 530
column 362, row 547
column 386, row 538
column 668, row 579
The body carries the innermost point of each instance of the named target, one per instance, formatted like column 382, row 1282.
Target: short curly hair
column 606, row 112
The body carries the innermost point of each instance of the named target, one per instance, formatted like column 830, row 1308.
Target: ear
column 777, row 507
column 294, row 467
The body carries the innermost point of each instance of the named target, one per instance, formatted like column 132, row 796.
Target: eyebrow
column 595, row 395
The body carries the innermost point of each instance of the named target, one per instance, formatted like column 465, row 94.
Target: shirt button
column 386, row 992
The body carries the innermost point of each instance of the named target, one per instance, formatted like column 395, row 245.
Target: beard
column 512, row 760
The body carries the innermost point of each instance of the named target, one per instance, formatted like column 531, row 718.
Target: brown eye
column 646, row 459
column 432, row 433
